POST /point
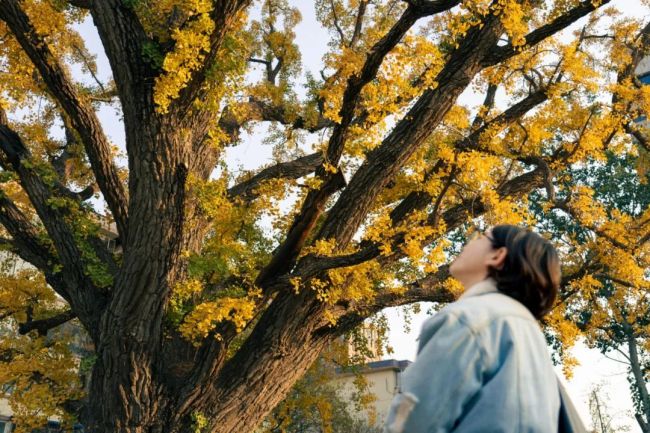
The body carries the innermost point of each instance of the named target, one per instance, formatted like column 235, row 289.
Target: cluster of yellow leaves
column 225, row 78
column 501, row 210
column 478, row 171
column 354, row 283
column 188, row 26
column 206, row 316
column 567, row 334
column 228, row 220
column 588, row 211
column 453, row 286
column 512, row 16
column 389, row 93
column 41, row 377
column 38, row 374
column 192, row 42
column 346, row 63
column 436, row 256
column 183, row 291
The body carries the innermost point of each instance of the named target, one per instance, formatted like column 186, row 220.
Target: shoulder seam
column 474, row 333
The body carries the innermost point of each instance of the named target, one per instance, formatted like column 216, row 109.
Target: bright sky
column 250, row 154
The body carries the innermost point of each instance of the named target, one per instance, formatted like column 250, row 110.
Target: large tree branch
column 124, row 40
column 358, row 24
column 418, row 200
column 641, row 139
column 42, row 326
column 426, row 289
column 453, row 218
column 27, row 245
column 383, row 162
column 286, row 170
column 25, row 238
column 257, row 110
column 430, row 287
column 386, row 160
column 335, row 21
column 84, row 297
column 500, row 54
column 431, row 7
column 314, row 203
column 80, row 112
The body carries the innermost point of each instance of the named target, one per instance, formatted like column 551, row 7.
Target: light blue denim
column 482, row 366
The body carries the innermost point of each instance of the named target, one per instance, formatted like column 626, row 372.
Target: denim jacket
column 482, row 366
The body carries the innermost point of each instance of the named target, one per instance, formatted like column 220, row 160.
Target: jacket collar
column 482, row 287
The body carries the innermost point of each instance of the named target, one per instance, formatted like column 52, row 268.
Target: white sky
column 250, row 154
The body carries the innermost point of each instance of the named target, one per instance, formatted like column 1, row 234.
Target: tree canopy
column 207, row 292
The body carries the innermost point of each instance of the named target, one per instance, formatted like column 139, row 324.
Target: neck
column 471, row 280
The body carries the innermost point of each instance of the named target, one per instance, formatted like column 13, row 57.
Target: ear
column 497, row 259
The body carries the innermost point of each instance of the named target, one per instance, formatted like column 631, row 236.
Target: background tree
column 204, row 317
column 613, row 313
column 605, row 298
column 602, row 420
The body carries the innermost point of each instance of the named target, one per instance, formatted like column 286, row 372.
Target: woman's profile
column 482, row 363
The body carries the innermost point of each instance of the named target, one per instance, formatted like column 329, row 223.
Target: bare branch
column 107, row 96
column 254, row 60
column 431, row 7
column 358, row 25
column 598, row 37
column 260, row 110
column 25, row 240
column 335, row 19
column 638, row 135
column 87, row 61
column 488, row 104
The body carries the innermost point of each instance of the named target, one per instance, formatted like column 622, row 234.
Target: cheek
column 469, row 257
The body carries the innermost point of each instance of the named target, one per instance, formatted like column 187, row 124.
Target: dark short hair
column 531, row 270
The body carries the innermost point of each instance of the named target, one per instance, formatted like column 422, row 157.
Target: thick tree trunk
column 136, row 396
column 283, row 345
column 129, row 370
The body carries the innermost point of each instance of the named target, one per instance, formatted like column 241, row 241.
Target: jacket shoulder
column 480, row 311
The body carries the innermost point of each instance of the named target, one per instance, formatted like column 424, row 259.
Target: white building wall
column 382, row 384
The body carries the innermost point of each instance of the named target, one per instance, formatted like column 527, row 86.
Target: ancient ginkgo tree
column 225, row 286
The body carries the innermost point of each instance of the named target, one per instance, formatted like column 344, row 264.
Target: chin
column 452, row 269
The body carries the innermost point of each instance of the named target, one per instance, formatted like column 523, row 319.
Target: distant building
column 384, row 379
column 372, row 343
